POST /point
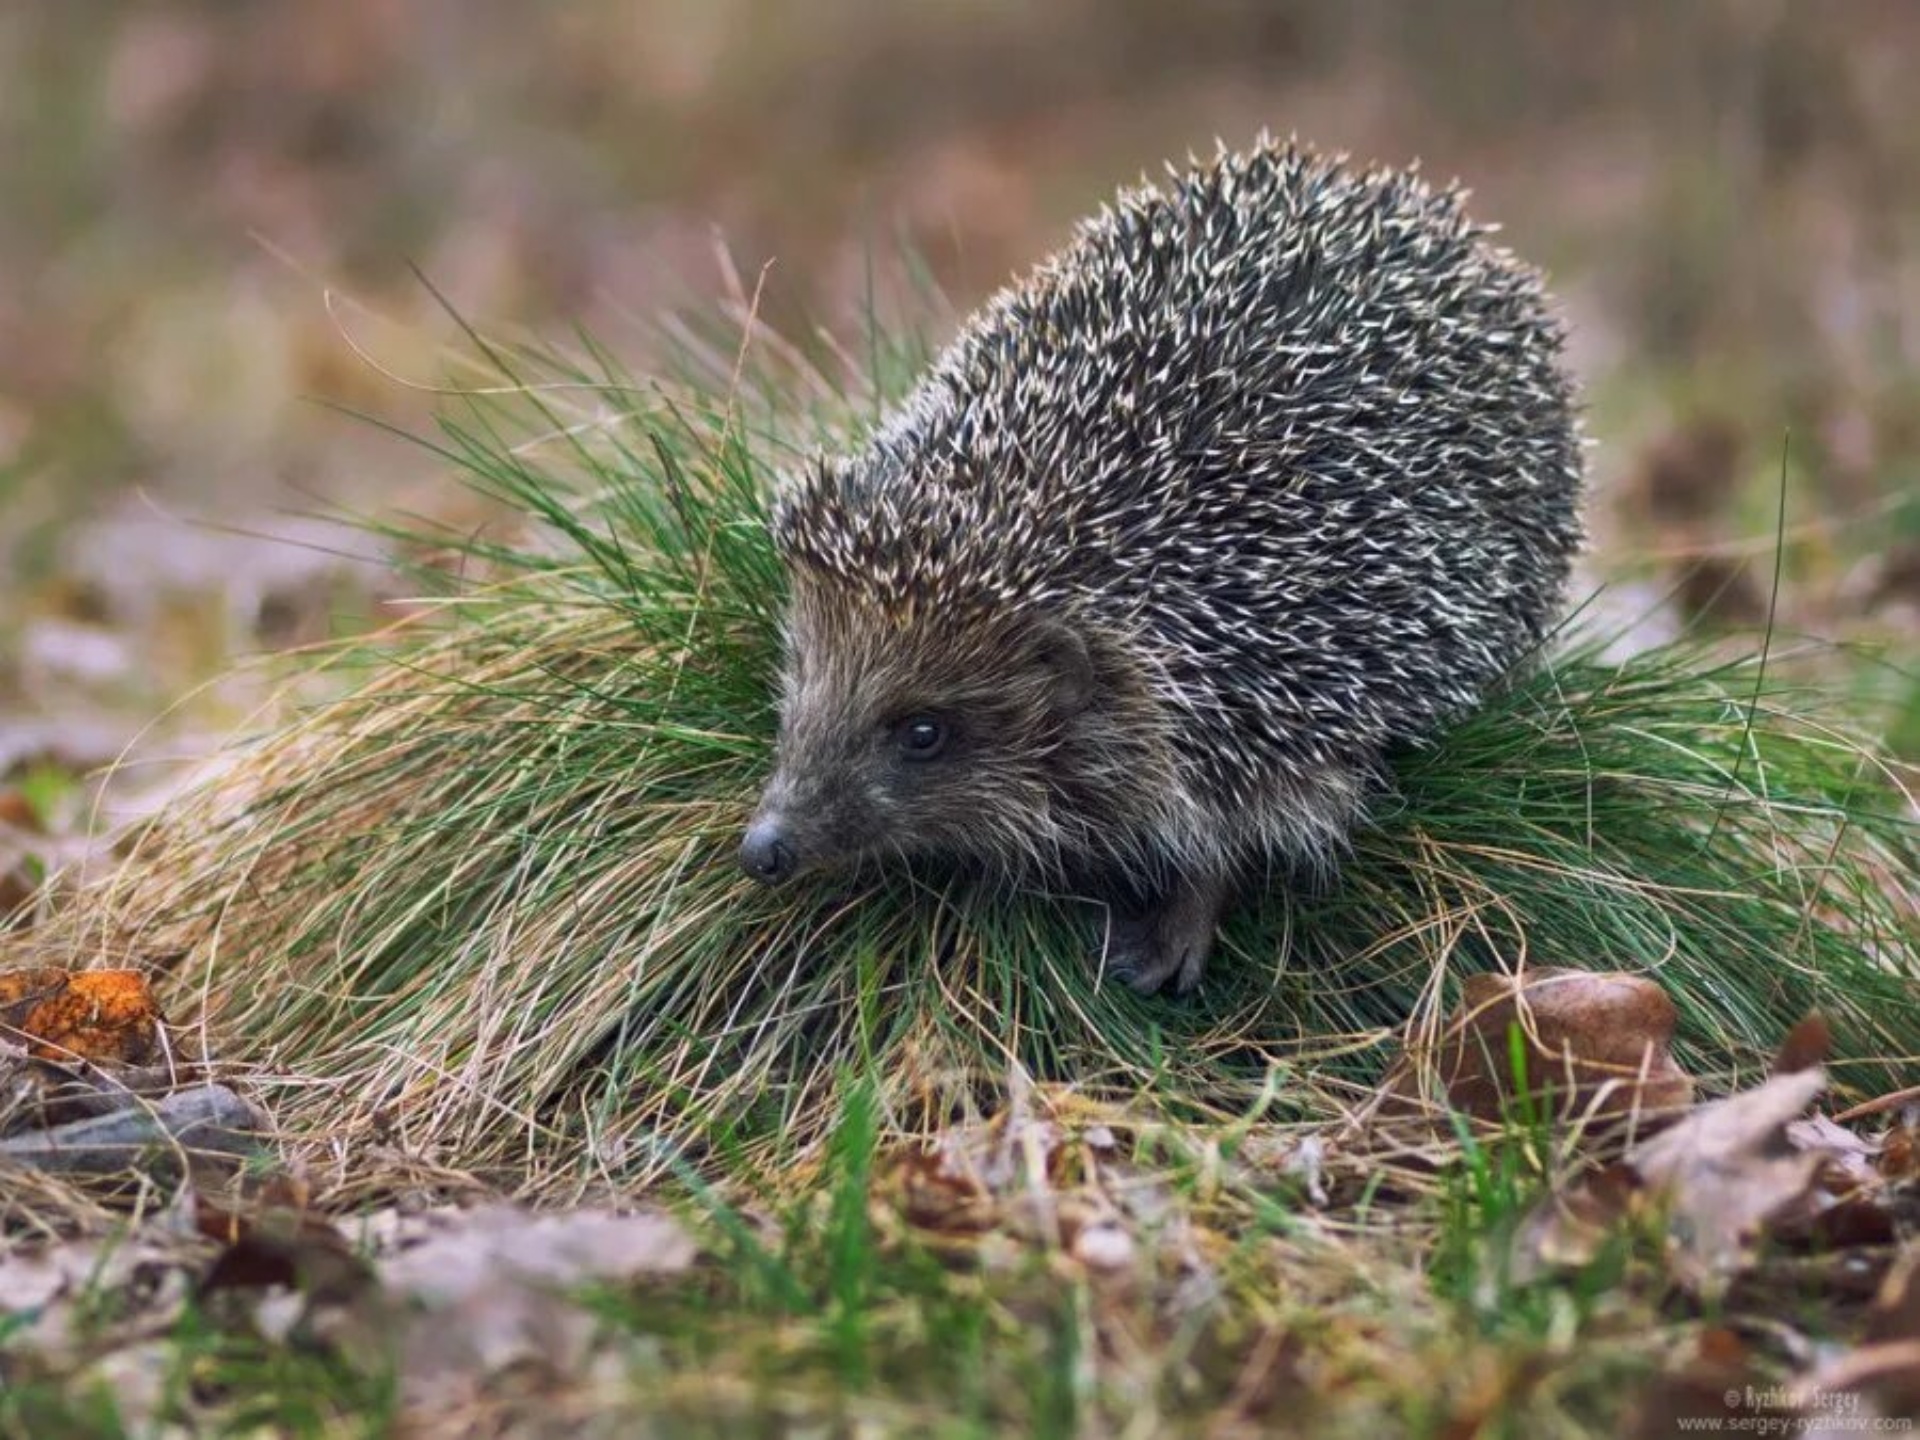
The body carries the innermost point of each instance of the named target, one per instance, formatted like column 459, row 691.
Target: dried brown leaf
column 1725, row 1171
column 1568, row 1230
column 935, row 1194
column 1850, row 1156
column 1808, row 1044
column 1900, row 1151
column 1594, row 1045
column 272, row 1240
column 54, row 1293
column 486, row 1293
column 18, row 813
column 1846, row 1207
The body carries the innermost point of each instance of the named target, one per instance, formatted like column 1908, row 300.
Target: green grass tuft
column 485, row 905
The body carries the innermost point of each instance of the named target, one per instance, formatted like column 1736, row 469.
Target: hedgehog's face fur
column 929, row 733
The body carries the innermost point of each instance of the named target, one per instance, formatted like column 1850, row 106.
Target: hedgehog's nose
column 766, row 855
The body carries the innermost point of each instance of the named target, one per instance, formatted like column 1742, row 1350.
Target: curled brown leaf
column 1592, row 1045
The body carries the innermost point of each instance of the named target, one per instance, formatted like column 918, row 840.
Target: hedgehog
column 1274, row 469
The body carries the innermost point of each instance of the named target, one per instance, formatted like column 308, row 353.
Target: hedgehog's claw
column 1167, row 943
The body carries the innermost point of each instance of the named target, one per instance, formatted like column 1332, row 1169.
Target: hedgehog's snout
column 767, row 853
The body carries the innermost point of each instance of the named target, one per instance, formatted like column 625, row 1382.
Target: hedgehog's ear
column 1061, row 652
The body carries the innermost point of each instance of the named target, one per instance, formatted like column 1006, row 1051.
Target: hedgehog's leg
column 1169, row 938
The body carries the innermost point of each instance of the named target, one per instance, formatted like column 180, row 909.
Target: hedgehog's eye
column 920, row 737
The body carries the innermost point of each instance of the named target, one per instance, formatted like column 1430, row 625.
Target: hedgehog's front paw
column 1138, row 953
column 1168, row 943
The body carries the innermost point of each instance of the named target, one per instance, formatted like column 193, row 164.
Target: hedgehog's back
column 1304, row 430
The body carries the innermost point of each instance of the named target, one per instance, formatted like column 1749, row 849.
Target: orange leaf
column 20, row 990
column 17, row 812
column 99, row 1015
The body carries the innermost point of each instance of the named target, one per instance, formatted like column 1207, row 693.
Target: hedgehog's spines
column 1297, row 434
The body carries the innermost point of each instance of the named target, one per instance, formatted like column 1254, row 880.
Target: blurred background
column 1726, row 194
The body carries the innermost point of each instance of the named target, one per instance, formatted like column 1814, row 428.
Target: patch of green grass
column 210, row 1378
column 48, row 790
column 59, row 1410
column 1569, row 1343
column 1489, row 1192
column 810, row 1314
column 827, row 1306
column 227, row 1381
column 814, row 1319
column 1903, row 723
column 488, row 901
